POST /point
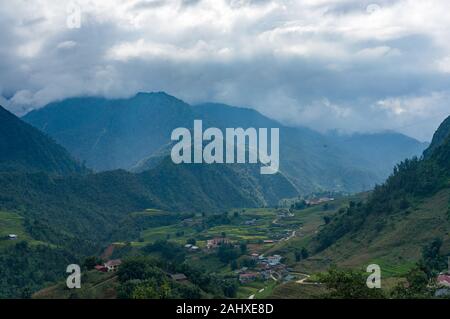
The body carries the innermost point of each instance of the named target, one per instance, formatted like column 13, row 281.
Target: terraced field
column 11, row 223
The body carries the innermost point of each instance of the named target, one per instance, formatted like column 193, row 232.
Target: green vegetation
column 95, row 285
column 24, row 148
column 348, row 284
column 293, row 290
column 25, row 268
column 61, row 218
column 11, row 223
column 398, row 217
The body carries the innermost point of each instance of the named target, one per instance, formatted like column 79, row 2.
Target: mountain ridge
column 410, row 210
column 24, row 148
column 142, row 126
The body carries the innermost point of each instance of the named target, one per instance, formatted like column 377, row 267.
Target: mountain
column 62, row 217
column 134, row 134
column 88, row 205
column 24, row 148
column 410, row 210
column 206, row 187
column 112, row 134
column 439, row 137
column 317, row 162
column 381, row 151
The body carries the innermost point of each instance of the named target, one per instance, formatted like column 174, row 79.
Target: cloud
column 347, row 64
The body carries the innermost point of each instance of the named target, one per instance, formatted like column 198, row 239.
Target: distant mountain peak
column 110, row 134
column 158, row 95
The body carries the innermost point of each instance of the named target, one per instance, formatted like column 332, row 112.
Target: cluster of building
column 266, row 268
column 210, row 244
column 284, row 213
column 216, row 242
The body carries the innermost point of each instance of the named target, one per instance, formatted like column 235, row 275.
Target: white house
column 274, row 260
column 113, row 265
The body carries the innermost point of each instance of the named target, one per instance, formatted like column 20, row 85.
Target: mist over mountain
column 29, row 162
column 125, row 133
column 41, row 182
column 380, row 151
column 111, row 134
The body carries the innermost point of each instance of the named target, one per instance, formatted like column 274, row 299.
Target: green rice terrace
column 271, row 241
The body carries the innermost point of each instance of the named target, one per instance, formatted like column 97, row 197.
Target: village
column 261, row 267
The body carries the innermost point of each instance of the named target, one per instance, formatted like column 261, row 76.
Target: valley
column 220, row 230
column 260, row 247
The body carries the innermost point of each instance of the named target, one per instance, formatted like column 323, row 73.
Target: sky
column 347, row 65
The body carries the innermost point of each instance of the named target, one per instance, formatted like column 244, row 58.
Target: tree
column 191, row 241
column 299, row 205
column 432, row 262
column 348, row 284
column 229, row 288
column 416, row 287
column 243, row 247
column 304, row 252
column 169, row 251
column 248, row 262
column 125, row 290
column 301, row 254
column 227, row 253
column 138, row 268
column 146, row 290
column 90, row 262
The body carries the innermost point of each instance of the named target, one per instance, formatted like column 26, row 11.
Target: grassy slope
column 293, row 290
column 397, row 246
column 312, row 221
column 11, row 223
column 95, row 285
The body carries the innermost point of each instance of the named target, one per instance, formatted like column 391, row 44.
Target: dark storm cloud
column 352, row 65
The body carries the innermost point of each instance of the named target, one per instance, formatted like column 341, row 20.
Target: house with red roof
column 248, row 277
column 443, row 280
column 113, row 265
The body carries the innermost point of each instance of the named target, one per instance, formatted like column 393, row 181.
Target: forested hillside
column 410, row 209
column 127, row 133
column 24, row 148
